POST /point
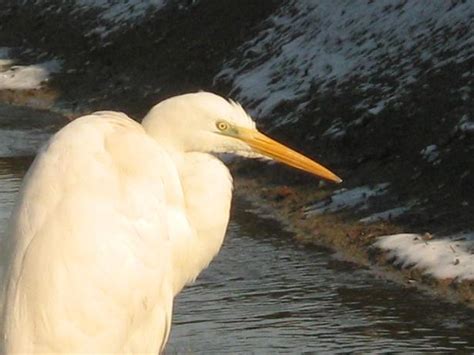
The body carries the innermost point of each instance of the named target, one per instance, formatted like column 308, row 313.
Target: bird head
column 206, row 122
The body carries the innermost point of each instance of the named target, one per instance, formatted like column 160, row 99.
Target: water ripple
column 264, row 295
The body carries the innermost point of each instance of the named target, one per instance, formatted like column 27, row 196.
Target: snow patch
column 442, row 258
column 379, row 106
column 114, row 14
column 465, row 125
column 386, row 215
column 336, row 130
column 431, row 153
column 21, row 77
column 347, row 198
column 121, row 10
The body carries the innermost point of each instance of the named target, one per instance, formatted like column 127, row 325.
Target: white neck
column 207, row 187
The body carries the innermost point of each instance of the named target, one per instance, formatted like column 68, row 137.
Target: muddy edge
column 340, row 232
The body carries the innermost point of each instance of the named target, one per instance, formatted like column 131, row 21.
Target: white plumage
column 114, row 218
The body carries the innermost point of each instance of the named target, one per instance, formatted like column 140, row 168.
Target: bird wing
column 90, row 267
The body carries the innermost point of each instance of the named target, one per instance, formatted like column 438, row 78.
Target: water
column 11, row 172
column 265, row 294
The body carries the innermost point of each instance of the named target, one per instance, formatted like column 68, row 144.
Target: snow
column 431, row 153
column 347, row 198
column 24, row 77
column 122, row 10
column 375, row 110
column 104, row 17
column 114, row 14
column 386, row 215
column 336, row 130
column 465, row 124
column 314, row 43
column 442, row 258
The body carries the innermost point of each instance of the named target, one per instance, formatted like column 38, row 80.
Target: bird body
column 90, row 234
column 113, row 219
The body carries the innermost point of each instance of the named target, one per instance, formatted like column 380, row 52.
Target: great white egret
column 114, row 218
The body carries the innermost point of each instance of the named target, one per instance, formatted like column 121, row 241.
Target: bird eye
column 222, row 126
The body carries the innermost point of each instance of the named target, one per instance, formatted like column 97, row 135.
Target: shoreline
column 351, row 241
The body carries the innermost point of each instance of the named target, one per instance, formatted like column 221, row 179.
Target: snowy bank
column 24, row 77
column 451, row 258
column 316, row 43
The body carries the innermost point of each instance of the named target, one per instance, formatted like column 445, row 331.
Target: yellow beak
column 272, row 149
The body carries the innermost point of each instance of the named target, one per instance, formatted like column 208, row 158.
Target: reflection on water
column 264, row 294
column 24, row 130
column 11, row 173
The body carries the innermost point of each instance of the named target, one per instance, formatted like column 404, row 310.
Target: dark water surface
column 265, row 294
